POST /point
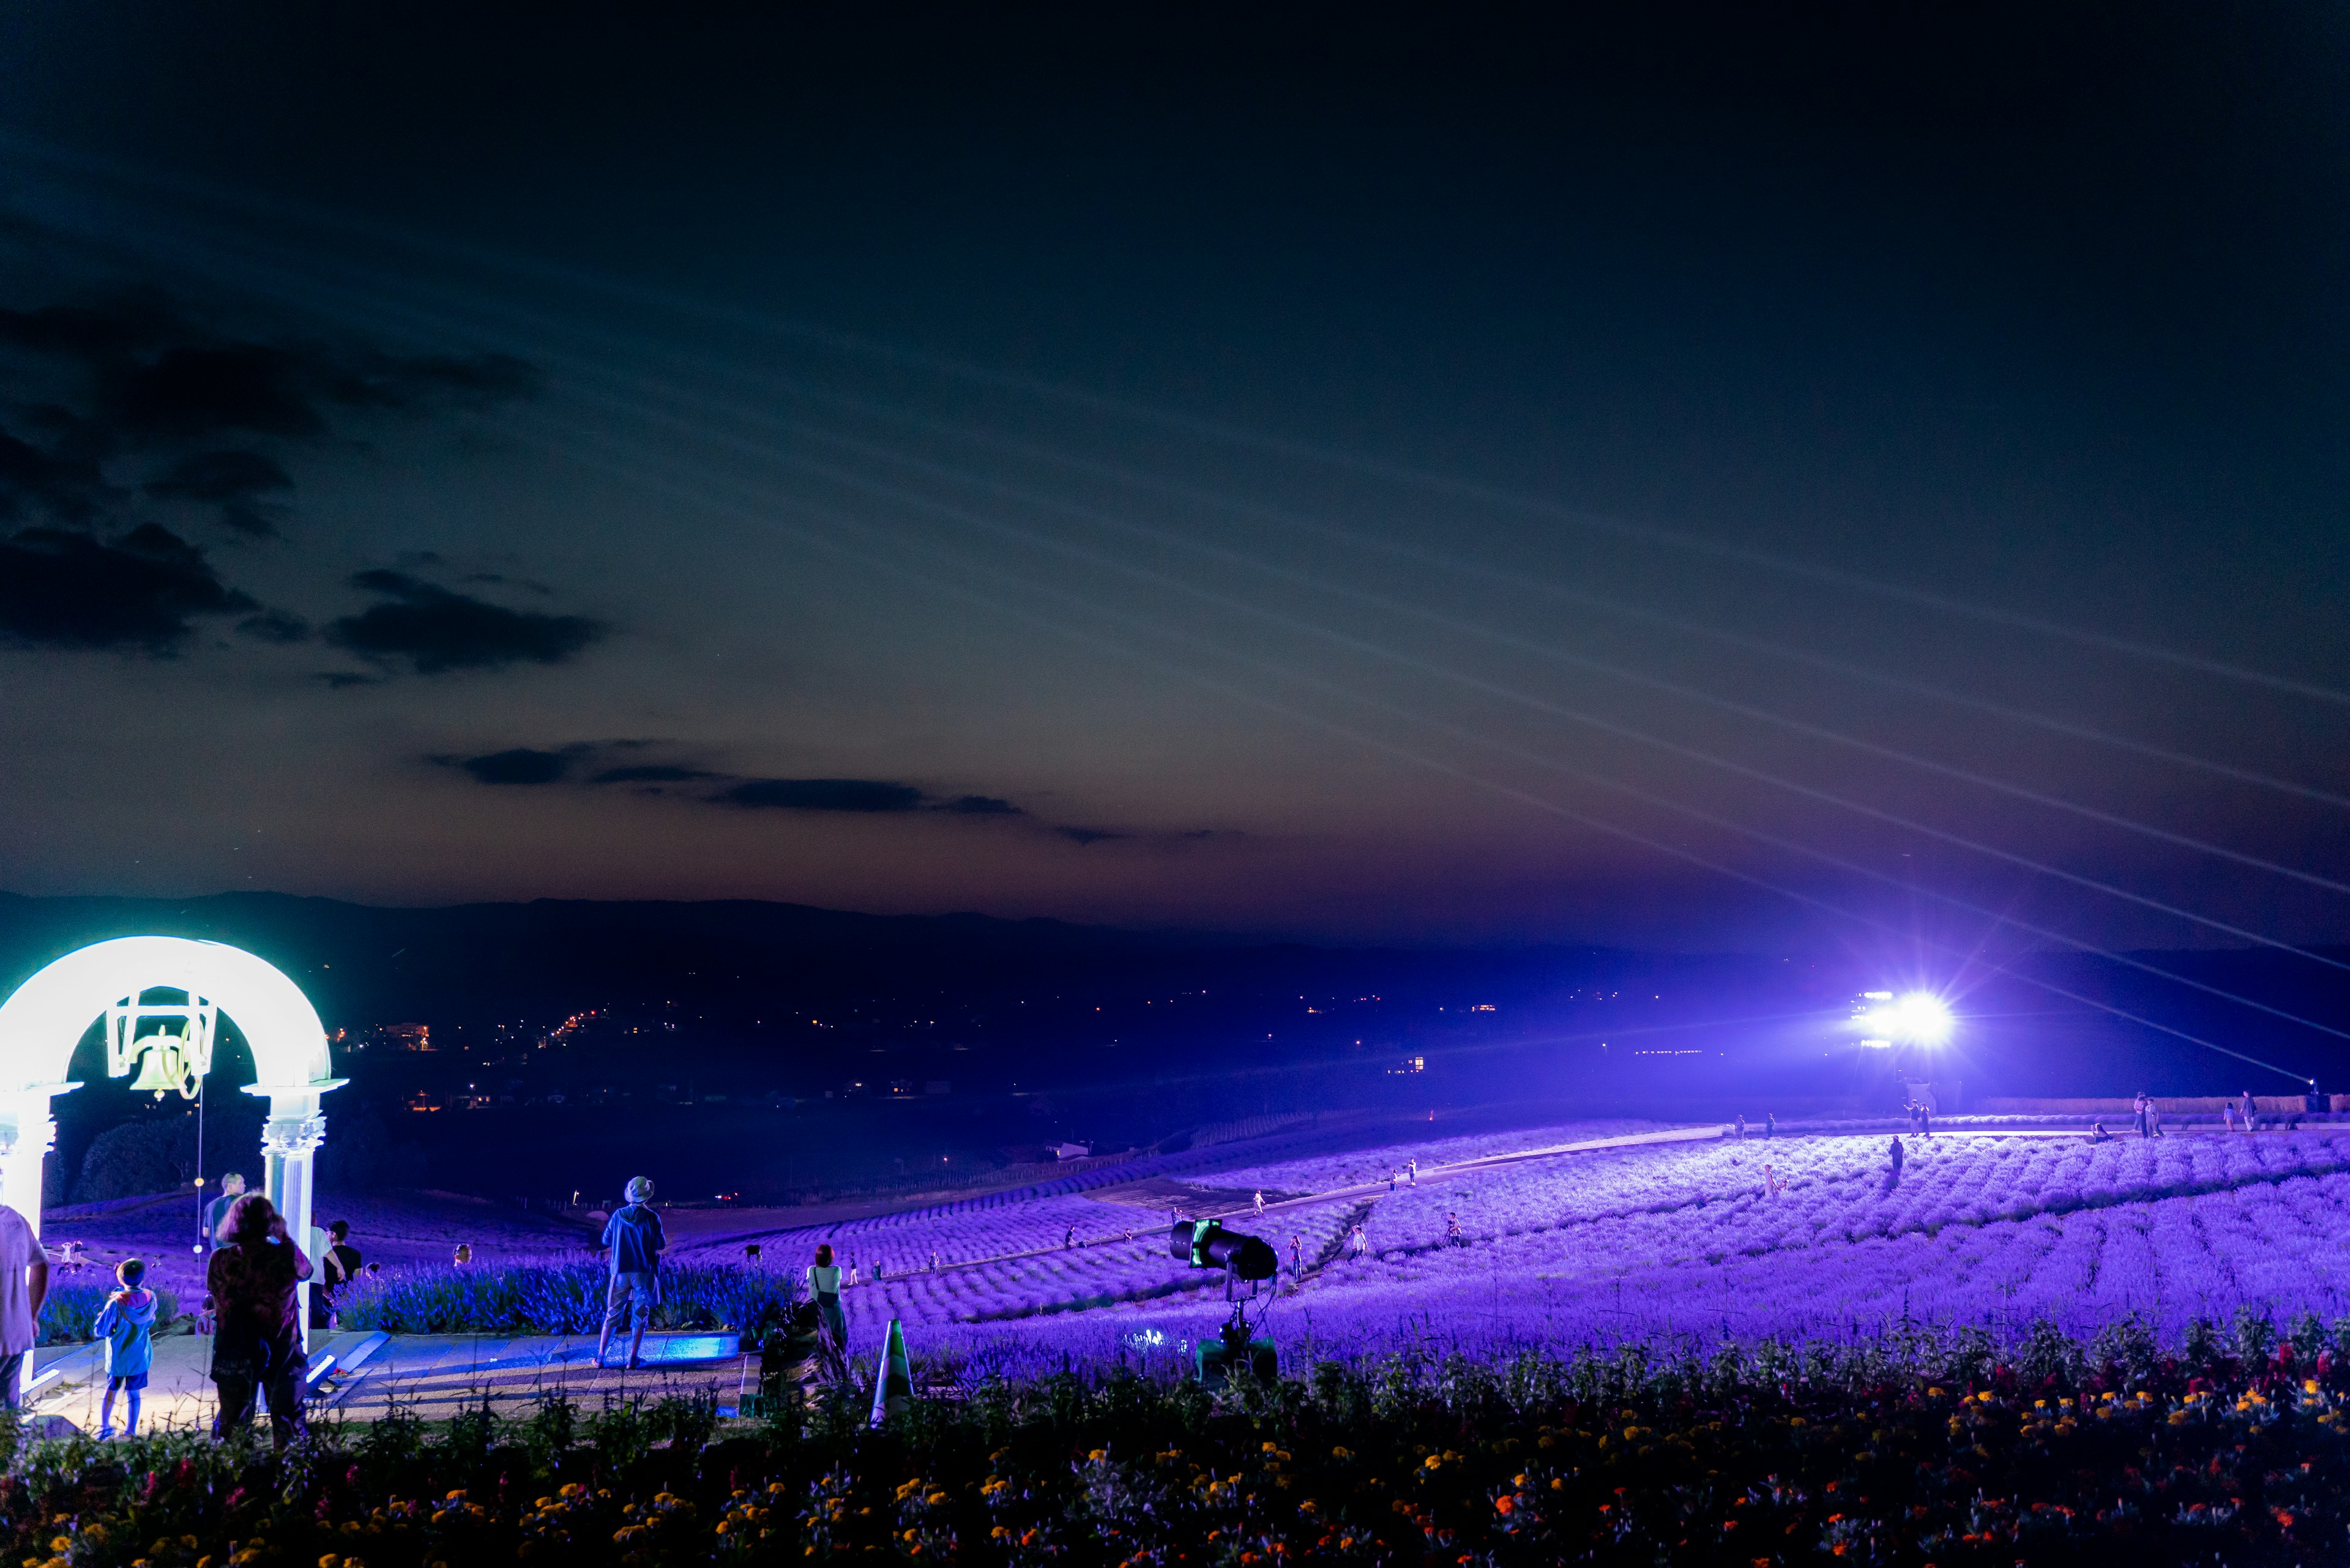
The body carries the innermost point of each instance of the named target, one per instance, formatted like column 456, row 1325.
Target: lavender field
column 1663, row 1244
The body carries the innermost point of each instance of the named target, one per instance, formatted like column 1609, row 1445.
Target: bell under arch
column 47, row 1016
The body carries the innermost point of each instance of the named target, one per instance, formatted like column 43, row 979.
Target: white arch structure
column 47, row 1015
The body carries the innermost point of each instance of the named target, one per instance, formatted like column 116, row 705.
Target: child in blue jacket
column 127, row 1325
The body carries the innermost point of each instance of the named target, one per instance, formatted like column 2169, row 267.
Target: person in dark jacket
column 257, row 1346
column 634, row 1242
column 1898, row 1154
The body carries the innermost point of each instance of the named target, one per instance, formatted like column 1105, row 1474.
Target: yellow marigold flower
column 61, row 1544
column 1269, row 1448
column 1342, row 1453
column 1098, row 1455
column 934, row 1498
column 330, row 1561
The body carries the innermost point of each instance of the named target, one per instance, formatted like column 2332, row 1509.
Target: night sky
column 1757, row 477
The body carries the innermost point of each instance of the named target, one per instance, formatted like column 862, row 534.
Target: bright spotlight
column 1922, row 1018
column 1885, row 1020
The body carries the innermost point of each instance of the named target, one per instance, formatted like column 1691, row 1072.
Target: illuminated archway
column 43, row 1022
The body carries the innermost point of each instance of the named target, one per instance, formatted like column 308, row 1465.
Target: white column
column 289, row 1139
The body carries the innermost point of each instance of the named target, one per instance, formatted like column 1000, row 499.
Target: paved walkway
column 360, row 1376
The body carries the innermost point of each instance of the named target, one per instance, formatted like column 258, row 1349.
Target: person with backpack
column 126, row 1323
column 633, row 1242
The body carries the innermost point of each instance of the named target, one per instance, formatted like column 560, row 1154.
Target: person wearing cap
column 633, row 1242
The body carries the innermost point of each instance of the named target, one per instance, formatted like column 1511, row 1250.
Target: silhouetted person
column 1898, row 1154
column 633, row 1242
column 216, row 1212
column 824, row 1286
column 257, row 1348
column 24, row 1286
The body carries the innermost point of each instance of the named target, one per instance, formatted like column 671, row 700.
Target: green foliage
column 158, row 1154
column 69, row 1313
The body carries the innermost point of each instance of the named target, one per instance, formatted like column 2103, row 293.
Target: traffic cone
column 893, row 1377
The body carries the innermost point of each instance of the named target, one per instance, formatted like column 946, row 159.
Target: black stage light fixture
column 1206, row 1244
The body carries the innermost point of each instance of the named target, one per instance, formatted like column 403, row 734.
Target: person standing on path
column 257, row 1349
column 2249, row 1112
column 1738, row 1128
column 824, row 1286
column 24, row 1286
column 1296, row 1255
column 2137, row 1112
column 1769, row 1126
column 127, row 1325
column 2153, row 1117
column 338, row 1267
column 1411, row 1173
column 216, row 1212
column 1260, row 1202
column 634, row 1242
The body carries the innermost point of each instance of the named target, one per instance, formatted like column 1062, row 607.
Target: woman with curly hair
column 258, row 1345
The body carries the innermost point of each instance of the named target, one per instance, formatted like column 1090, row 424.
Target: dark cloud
column 94, row 334
column 159, row 381
column 429, row 382
column 221, row 476
column 66, row 589
column 437, row 631
column 501, row 580
column 519, row 765
column 233, row 480
column 980, row 805
column 275, row 625
column 69, row 488
column 822, row 794
column 1088, row 834
column 197, row 393
column 653, row 773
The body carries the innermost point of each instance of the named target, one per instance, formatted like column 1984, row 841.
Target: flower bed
column 70, row 1311
column 559, row 1298
column 1951, row 1449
